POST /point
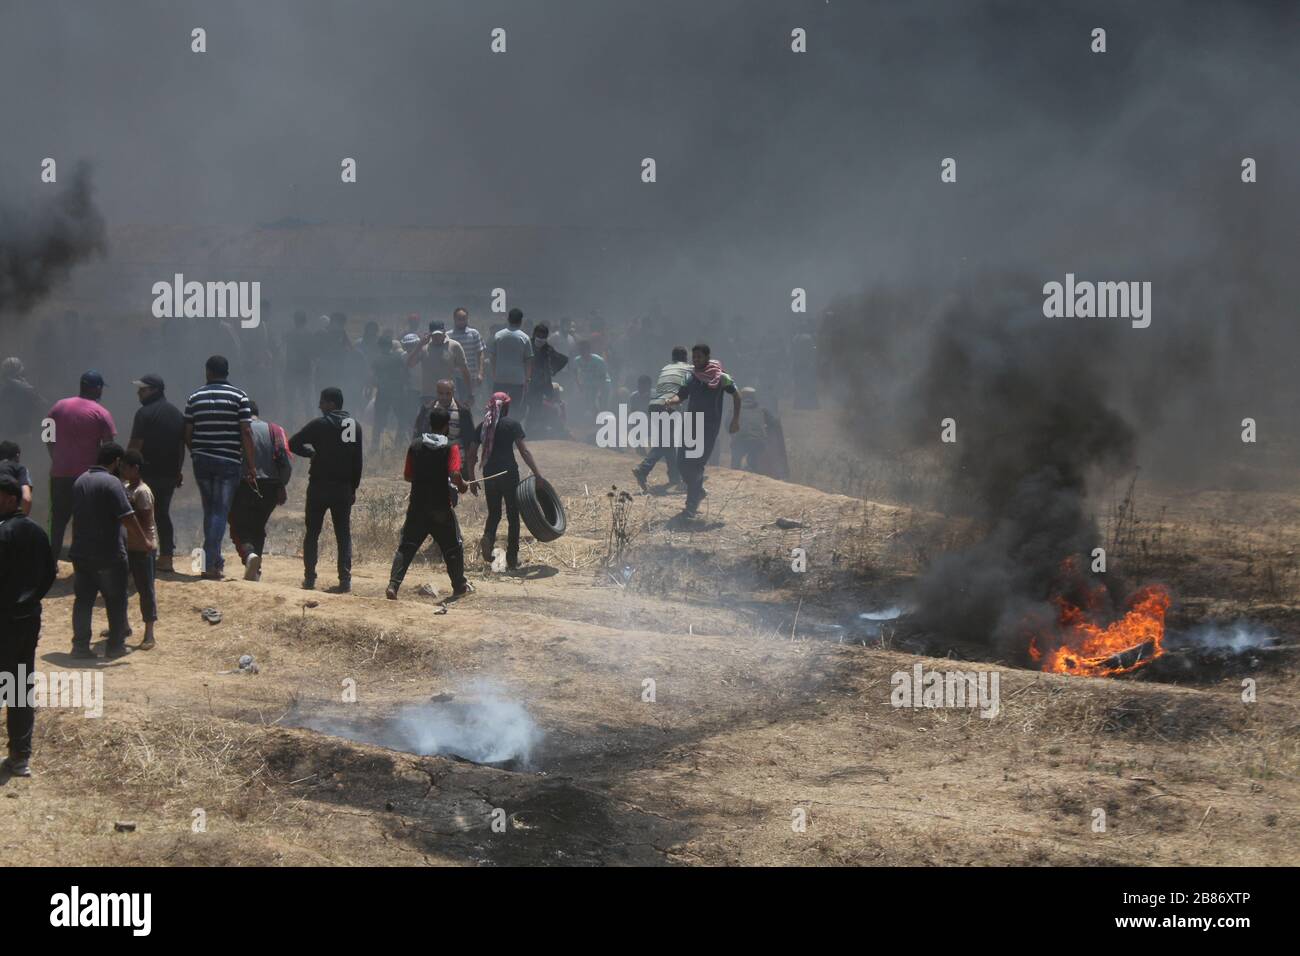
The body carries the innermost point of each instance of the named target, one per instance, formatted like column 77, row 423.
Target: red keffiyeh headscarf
column 496, row 409
column 712, row 374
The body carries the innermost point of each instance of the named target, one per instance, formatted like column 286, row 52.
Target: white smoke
column 1234, row 638
column 485, row 727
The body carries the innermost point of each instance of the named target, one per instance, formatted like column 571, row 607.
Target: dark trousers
column 336, row 498
column 441, row 525
column 60, row 512
column 142, row 566
column 388, row 404
column 249, row 515
column 497, row 490
column 89, row 580
column 746, row 451
column 163, row 487
column 665, row 454
column 692, row 472
column 18, row 648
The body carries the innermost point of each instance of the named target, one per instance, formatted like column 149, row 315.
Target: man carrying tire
column 498, row 435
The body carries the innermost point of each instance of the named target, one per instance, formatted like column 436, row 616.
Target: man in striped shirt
column 470, row 340
column 219, row 435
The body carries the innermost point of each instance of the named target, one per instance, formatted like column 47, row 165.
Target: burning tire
column 540, row 508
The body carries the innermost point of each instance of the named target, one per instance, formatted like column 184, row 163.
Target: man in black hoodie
column 432, row 461
column 333, row 443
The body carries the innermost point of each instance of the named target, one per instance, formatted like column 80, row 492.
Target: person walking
column 141, row 548
column 101, row 512
column 498, row 436
column 438, row 357
column 27, row 570
column 333, row 442
column 158, row 434
column 705, row 388
column 433, row 464
column 218, row 432
column 475, row 349
column 512, row 358
column 251, row 510
column 81, row 425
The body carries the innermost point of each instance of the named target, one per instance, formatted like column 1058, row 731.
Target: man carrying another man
column 671, row 378
column 704, row 389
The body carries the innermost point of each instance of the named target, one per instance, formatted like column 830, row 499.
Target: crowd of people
column 425, row 384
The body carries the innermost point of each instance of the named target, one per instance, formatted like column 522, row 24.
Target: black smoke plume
column 1033, row 422
column 40, row 245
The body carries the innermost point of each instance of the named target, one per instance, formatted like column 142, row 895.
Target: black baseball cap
column 437, row 325
column 152, row 380
column 92, row 378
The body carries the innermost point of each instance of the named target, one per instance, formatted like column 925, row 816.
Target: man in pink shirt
column 81, row 425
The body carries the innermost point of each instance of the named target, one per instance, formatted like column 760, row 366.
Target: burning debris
column 1035, row 421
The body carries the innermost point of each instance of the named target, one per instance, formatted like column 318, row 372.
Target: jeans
column 89, row 580
column 163, row 487
column 60, row 512
column 143, row 568
column 217, row 480
column 445, row 530
column 336, row 498
column 497, row 490
column 18, row 648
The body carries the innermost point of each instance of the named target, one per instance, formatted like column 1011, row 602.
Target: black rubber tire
column 540, row 508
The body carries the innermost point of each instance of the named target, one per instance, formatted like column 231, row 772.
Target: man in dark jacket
column 158, row 434
column 27, row 570
column 541, row 414
column 333, row 443
column 432, row 461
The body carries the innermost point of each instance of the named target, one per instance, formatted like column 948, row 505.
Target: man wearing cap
column 439, row 357
column 81, row 425
column 158, row 434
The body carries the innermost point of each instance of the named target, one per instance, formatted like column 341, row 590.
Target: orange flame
column 1090, row 650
